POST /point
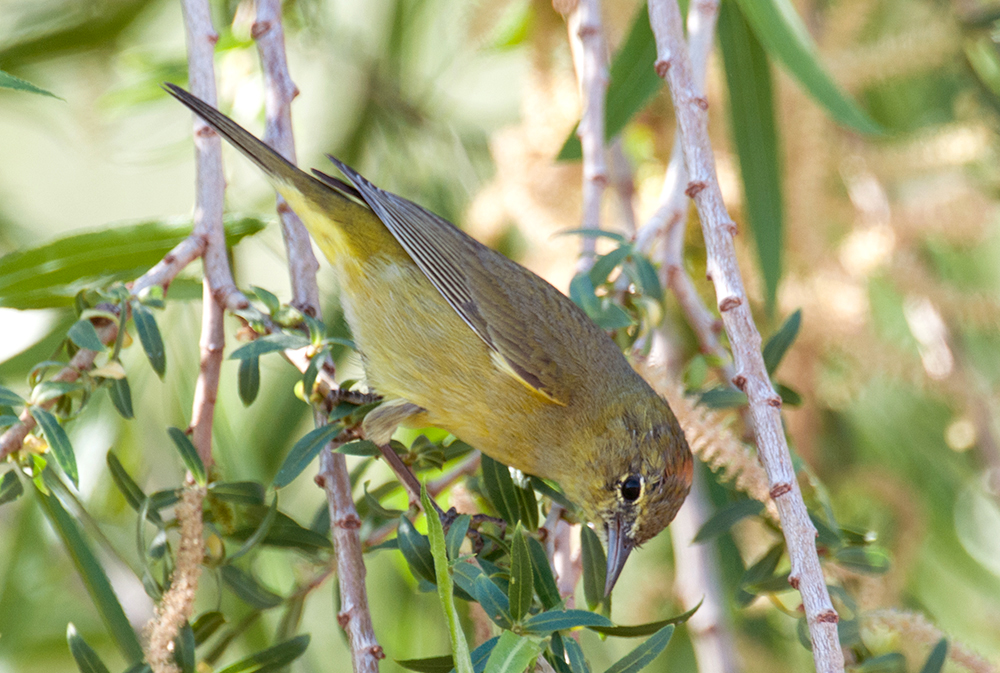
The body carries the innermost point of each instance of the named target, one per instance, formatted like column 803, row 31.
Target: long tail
column 278, row 169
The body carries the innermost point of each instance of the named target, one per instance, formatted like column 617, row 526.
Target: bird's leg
column 379, row 425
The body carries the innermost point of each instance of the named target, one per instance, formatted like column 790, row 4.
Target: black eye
column 631, row 488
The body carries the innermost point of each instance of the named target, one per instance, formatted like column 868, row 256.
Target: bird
column 455, row 335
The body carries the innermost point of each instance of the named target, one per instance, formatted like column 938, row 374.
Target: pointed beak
column 619, row 547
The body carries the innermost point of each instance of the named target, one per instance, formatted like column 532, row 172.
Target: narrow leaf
column 58, row 441
column 134, row 496
column 271, row 343
column 442, row 664
column 93, row 576
column 206, row 625
column 10, row 488
column 416, row 550
column 605, row 264
column 262, row 530
column 727, row 517
column 86, row 658
column 723, row 398
column 241, row 492
column 149, row 336
column 545, row 581
column 189, row 454
column 8, row 398
column 184, row 646
column 8, row 81
column 248, row 589
column 521, row 588
column 121, row 397
column 640, row 657
column 271, row 659
column 577, row 662
column 83, row 334
column 595, row 567
column 785, row 38
column 495, row 603
column 594, row 233
column 459, row 646
column 500, row 489
column 512, row 654
column 935, row 662
column 304, row 452
column 456, row 534
column 640, row 630
column 249, row 380
column 545, row 623
column 781, row 341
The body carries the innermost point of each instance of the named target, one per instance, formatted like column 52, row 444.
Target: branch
column 673, row 64
column 586, row 38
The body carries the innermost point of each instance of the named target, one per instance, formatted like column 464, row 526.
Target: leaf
column 246, row 587
column 893, row 662
column 134, row 496
column 271, row 659
column 632, row 81
column 83, row 334
column 46, row 391
column 545, row 623
column 751, row 114
column 871, row 560
column 359, row 447
column 8, row 81
column 249, row 380
column 512, row 654
column 442, row 664
column 788, row 396
column 11, row 488
column 786, row 39
column 121, row 397
column 58, row 441
column 494, row 602
column 184, row 646
column 465, row 575
column 499, row 488
column 594, row 233
column 271, row 343
column 545, row 582
column 86, row 658
column 640, row 630
column 577, row 662
column 581, row 291
column 528, row 506
column 304, row 452
column 262, row 530
column 459, row 646
column 51, row 275
column 646, row 277
column 92, row 573
column 456, row 534
column 268, row 299
column 935, row 661
column 760, row 571
column 779, row 343
column 416, row 550
column 595, row 567
column 206, row 625
column 520, row 591
column 149, row 337
column 723, row 397
column 240, row 492
column 640, row 657
column 605, row 264
column 8, row 398
column 189, row 454
column 726, row 517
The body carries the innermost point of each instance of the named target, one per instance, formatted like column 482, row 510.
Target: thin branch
column 673, row 64
column 590, row 55
column 279, row 91
column 185, row 252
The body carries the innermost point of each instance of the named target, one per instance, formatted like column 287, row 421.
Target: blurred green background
column 889, row 245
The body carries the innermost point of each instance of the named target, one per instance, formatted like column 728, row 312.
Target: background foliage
column 887, row 242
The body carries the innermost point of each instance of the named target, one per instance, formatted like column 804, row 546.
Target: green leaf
column 58, row 441
column 528, row 506
column 189, row 454
column 8, row 398
column 871, row 560
column 10, row 488
column 581, row 291
column 595, row 567
column 272, row 659
column 577, row 662
column 727, row 517
column 521, row 588
column 121, row 397
column 134, row 496
column 786, row 39
column 545, row 623
column 893, row 662
column 545, row 582
column 500, row 489
column 640, row 630
column 83, row 334
column 86, row 658
column 779, row 343
column 249, row 380
column 416, row 550
column 262, row 530
column 594, row 233
column 495, row 603
column 605, row 264
column 359, row 447
column 439, row 552
column 240, row 492
column 456, row 534
column 935, row 661
column 246, row 587
column 304, row 452
column 512, row 654
column 465, row 574
column 723, row 397
column 149, row 337
column 646, row 277
column 184, row 646
column 759, row 572
column 442, row 664
column 640, row 657
column 632, row 81
column 8, row 81
column 206, row 625
column 751, row 113
column 271, row 343
column 612, row 317
column 268, row 299
column 52, row 274
column 92, row 573
column 46, row 391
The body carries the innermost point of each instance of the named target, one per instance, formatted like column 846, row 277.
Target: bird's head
column 638, row 475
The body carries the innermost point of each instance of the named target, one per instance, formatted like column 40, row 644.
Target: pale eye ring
column 631, row 488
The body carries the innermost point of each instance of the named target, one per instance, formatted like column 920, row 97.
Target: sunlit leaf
column 58, row 441
column 456, row 534
column 494, row 601
column 8, row 81
column 8, row 398
column 512, row 654
column 521, row 588
column 500, row 490
column 545, row 581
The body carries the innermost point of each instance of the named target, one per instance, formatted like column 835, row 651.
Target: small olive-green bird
column 455, row 335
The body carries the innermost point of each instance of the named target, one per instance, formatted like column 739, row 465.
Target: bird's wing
column 518, row 331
